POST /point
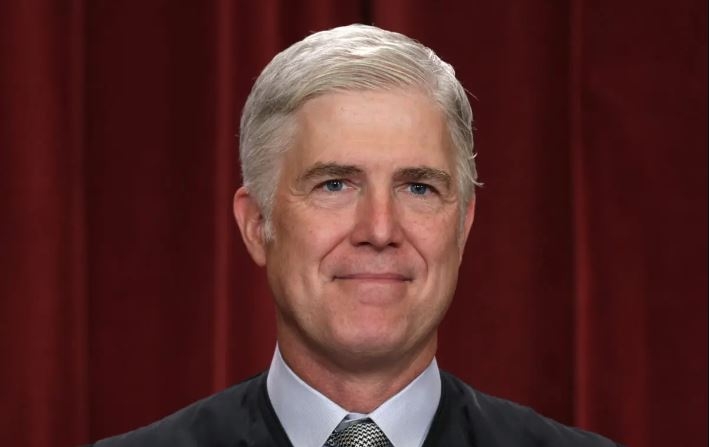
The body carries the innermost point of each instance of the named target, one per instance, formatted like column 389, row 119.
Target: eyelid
column 424, row 183
column 323, row 171
column 333, row 179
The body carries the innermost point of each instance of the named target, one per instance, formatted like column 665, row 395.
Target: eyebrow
column 319, row 170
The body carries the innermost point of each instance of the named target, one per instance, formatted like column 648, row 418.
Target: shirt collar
column 406, row 417
column 308, row 417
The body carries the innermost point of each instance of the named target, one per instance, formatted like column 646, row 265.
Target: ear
column 468, row 222
column 250, row 221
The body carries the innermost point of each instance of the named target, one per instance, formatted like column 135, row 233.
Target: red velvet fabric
column 126, row 293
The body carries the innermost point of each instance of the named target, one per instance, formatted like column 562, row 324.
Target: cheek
column 434, row 236
column 304, row 237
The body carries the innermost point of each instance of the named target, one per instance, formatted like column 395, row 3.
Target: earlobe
column 250, row 221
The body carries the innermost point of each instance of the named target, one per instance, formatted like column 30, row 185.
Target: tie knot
column 364, row 433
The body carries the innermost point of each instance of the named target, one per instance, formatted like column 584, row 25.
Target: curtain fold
column 126, row 293
column 43, row 295
column 641, row 218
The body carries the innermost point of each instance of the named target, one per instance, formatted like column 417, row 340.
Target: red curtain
column 125, row 292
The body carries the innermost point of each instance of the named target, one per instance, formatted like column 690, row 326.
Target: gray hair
column 354, row 57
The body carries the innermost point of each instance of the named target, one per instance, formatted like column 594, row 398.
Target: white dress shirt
column 308, row 417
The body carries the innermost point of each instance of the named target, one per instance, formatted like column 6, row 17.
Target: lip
column 373, row 276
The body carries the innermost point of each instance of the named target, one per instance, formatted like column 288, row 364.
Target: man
column 358, row 197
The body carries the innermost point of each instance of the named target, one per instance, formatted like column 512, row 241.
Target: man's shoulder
column 238, row 413
column 471, row 417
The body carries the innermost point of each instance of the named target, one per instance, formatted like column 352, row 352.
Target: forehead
column 399, row 127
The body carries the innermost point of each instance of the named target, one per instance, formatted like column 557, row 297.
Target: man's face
column 367, row 242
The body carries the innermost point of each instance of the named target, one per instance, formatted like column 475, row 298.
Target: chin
column 371, row 342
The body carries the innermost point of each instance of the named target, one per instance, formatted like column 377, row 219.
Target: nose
column 378, row 221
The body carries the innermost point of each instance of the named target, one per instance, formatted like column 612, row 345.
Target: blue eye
column 419, row 189
column 333, row 185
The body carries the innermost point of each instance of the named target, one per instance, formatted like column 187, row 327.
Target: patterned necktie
column 360, row 434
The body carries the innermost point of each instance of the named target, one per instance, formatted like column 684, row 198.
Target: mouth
column 374, row 277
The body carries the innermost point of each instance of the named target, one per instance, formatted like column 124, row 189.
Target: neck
column 357, row 383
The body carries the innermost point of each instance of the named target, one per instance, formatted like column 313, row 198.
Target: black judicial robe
column 242, row 416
